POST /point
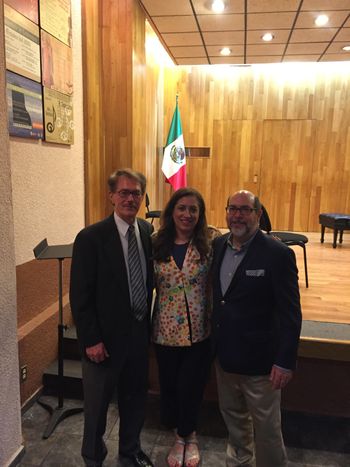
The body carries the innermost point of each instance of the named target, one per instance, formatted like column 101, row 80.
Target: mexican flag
column 174, row 159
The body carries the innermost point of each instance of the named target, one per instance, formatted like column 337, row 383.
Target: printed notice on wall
column 55, row 18
column 28, row 8
column 21, row 44
column 56, row 64
column 25, row 111
column 58, row 115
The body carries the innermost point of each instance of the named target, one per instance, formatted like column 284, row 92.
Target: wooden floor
column 328, row 297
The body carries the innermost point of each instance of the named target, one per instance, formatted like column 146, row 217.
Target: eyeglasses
column 244, row 210
column 136, row 194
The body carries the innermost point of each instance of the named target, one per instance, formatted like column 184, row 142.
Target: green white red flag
column 174, row 158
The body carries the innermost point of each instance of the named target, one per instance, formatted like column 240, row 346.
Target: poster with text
column 56, row 64
column 22, row 45
column 55, row 18
column 25, row 110
column 28, row 8
column 58, row 116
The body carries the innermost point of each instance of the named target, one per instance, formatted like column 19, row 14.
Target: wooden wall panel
column 284, row 135
column 236, row 143
column 282, row 132
column 286, row 172
column 114, row 95
column 93, row 111
column 138, row 96
column 153, row 125
column 331, row 173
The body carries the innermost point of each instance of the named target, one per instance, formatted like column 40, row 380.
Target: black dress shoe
column 139, row 459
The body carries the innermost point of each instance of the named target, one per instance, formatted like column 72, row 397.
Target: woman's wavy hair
column 163, row 239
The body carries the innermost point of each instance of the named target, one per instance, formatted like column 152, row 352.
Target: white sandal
column 175, row 457
column 192, row 456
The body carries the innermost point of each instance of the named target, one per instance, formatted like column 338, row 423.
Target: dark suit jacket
column 99, row 291
column 257, row 322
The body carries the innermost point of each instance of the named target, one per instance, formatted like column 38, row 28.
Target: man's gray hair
column 129, row 173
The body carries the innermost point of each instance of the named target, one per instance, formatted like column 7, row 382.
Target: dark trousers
column 129, row 375
column 183, row 373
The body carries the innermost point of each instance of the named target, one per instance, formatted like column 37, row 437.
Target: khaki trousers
column 251, row 411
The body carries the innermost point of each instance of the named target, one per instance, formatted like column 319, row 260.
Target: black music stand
column 59, row 252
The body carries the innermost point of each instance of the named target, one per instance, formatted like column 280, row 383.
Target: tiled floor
column 62, row 448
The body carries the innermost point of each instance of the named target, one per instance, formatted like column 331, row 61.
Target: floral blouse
column 174, row 323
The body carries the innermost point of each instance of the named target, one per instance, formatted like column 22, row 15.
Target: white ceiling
column 193, row 34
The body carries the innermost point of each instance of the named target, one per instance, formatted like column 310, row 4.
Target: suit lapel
column 221, row 248
column 147, row 248
column 238, row 273
column 220, row 251
column 115, row 254
column 144, row 240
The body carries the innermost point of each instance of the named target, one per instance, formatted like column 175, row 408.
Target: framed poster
column 55, row 18
column 58, row 116
column 25, row 109
column 28, row 8
column 56, row 63
column 22, row 46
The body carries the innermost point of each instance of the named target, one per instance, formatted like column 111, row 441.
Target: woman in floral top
column 181, row 319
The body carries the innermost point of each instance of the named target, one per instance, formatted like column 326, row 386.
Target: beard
column 239, row 229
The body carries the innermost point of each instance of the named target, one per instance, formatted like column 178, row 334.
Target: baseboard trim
column 31, row 400
column 17, row 457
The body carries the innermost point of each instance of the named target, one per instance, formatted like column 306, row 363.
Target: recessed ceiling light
column 225, row 51
column 321, row 20
column 218, row 6
column 346, row 48
column 267, row 37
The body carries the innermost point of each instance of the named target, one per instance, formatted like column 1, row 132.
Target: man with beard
column 256, row 328
column 110, row 295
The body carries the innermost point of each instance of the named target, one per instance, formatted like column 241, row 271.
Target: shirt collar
column 122, row 225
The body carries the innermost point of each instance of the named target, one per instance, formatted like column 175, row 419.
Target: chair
column 288, row 238
column 151, row 214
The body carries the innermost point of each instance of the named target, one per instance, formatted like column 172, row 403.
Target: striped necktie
column 139, row 300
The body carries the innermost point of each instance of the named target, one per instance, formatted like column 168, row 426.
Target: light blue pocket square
column 255, row 272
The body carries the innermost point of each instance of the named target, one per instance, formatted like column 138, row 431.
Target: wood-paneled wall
column 153, row 127
column 279, row 131
column 114, row 95
column 284, row 136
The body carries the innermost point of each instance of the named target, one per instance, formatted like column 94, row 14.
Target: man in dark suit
column 110, row 295
column 256, row 328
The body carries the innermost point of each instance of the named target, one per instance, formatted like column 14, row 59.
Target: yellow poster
column 58, row 117
column 55, row 18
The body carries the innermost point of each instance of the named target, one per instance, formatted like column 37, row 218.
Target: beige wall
column 10, row 428
column 48, row 179
column 48, row 202
column 41, row 195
